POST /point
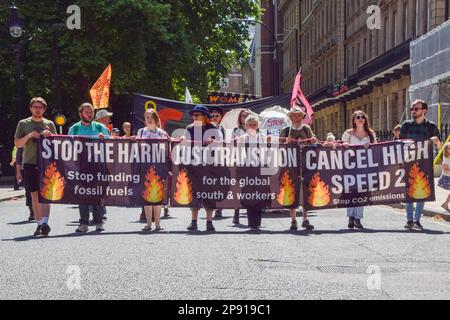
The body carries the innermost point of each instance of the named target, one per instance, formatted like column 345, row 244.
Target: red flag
column 299, row 99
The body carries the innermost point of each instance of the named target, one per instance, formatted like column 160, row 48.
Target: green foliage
column 155, row 47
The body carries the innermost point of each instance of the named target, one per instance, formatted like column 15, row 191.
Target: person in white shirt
column 360, row 134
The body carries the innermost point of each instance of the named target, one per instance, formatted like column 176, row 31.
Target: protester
column 104, row 117
column 126, row 127
column 298, row 132
column 152, row 131
column 27, row 136
column 360, row 134
column 88, row 127
column 115, row 133
column 216, row 118
column 418, row 129
column 396, row 132
column 17, row 183
column 444, row 180
column 204, row 132
column 19, row 179
column 240, row 130
column 253, row 137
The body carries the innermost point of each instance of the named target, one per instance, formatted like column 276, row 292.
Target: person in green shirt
column 27, row 136
column 88, row 127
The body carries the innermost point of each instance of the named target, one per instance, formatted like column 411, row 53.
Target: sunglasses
column 416, row 109
column 360, row 117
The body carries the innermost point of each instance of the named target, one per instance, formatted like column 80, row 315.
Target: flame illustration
column 419, row 187
column 184, row 188
column 53, row 189
column 319, row 194
column 286, row 197
column 154, row 187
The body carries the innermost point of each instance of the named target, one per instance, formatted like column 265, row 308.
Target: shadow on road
column 247, row 232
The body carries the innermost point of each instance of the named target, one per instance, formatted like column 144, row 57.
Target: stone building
column 346, row 65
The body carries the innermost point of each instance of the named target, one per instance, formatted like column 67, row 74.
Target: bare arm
column 20, row 142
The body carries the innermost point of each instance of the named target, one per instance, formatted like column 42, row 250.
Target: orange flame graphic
column 184, row 188
column 286, row 197
column 419, row 186
column 53, row 189
column 154, row 187
column 319, row 194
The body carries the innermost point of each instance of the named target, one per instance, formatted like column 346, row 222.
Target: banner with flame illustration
column 385, row 173
column 230, row 177
column 116, row 172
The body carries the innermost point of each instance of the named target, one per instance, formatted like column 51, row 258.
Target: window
column 394, row 29
column 405, row 29
column 386, row 26
column 365, row 51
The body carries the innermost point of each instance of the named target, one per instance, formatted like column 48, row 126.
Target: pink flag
column 299, row 99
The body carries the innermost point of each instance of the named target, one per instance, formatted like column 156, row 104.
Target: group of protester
column 206, row 128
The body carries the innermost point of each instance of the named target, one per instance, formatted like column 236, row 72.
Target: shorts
column 31, row 177
column 444, row 182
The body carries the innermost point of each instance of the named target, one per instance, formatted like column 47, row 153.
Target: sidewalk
column 8, row 193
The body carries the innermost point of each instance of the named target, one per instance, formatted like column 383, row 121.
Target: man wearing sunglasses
column 418, row 129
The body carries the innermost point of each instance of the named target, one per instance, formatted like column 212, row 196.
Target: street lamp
column 275, row 52
column 16, row 31
column 15, row 27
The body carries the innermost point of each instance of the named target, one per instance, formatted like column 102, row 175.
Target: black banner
column 79, row 170
column 235, row 176
column 353, row 177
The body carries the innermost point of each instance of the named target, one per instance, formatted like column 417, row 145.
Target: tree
column 155, row 47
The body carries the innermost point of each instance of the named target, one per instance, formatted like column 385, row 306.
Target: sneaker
column 38, row 231
column 193, row 226
column 254, row 229
column 99, row 227
column 351, row 222
column 218, row 214
column 82, row 228
column 31, row 218
column 45, row 229
column 409, row 225
column 209, row 226
column 358, row 224
column 417, row 226
column 294, row 225
column 307, row 225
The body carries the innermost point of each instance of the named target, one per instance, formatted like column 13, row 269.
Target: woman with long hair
column 152, row 131
column 360, row 134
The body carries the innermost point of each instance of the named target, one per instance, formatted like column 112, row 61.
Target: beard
column 87, row 120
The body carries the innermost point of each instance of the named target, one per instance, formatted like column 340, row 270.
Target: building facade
column 354, row 60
